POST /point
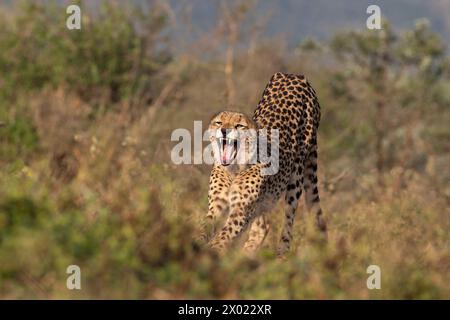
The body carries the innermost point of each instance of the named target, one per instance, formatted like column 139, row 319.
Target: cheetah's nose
column 224, row 132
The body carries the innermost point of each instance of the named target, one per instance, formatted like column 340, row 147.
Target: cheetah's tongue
column 227, row 153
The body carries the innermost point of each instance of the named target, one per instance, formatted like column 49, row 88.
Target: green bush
column 115, row 54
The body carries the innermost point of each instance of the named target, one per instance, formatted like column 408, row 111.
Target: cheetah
column 240, row 192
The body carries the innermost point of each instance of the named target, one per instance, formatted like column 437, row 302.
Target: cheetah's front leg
column 258, row 232
column 243, row 196
column 219, row 183
column 235, row 225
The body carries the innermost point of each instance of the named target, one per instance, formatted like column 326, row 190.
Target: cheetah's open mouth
column 228, row 150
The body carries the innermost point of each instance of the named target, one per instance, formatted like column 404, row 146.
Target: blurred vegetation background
column 86, row 176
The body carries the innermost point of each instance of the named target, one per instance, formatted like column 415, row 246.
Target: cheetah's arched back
column 288, row 104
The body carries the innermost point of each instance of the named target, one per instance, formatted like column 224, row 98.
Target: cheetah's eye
column 240, row 126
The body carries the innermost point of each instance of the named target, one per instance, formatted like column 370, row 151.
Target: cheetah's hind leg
column 312, row 191
column 293, row 194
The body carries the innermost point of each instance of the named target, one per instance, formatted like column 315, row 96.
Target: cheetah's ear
column 254, row 124
column 215, row 115
column 251, row 122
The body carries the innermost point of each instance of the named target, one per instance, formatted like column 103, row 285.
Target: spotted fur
column 242, row 194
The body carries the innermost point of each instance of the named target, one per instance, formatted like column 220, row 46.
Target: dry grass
column 89, row 182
